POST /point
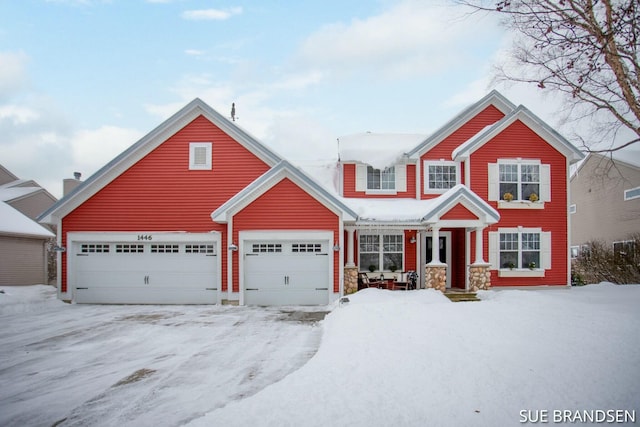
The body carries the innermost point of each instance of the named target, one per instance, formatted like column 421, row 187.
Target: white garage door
column 280, row 272
column 146, row 272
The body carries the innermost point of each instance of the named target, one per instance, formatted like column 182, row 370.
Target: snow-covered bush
column 598, row 262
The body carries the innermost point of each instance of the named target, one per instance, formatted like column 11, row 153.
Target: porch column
column 479, row 273
column 479, row 248
column 350, row 232
column 435, row 245
column 436, row 271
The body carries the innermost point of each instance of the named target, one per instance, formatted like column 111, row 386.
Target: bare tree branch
column 587, row 50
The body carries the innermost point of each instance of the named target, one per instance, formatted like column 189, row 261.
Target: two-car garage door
column 145, row 268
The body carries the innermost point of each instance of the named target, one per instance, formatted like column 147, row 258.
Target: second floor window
column 378, row 179
column 440, row 176
column 520, row 180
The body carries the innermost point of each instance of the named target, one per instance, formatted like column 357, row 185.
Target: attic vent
column 200, row 155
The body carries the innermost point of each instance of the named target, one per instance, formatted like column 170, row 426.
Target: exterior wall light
column 233, row 247
column 336, row 248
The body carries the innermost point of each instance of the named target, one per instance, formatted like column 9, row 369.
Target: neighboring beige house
column 605, row 201
column 24, row 244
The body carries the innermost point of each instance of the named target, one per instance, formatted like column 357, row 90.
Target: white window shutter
column 494, row 250
column 545, row 183
column 361, row 177
column 494, row 183
column 545, row 249
column 401, row 178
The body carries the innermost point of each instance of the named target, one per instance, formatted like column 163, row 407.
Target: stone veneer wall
column 479, row 277
column 350, row 280
column 436, row 277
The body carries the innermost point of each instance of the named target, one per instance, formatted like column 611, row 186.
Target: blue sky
column 81, row 80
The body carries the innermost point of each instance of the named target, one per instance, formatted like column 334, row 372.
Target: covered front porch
column 444, row 245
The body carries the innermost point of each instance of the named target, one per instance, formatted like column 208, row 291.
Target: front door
column 445, row 251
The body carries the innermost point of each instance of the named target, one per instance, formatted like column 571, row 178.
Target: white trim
column 381, row 234
column 401, row 178
column 427, row 164
column 626, row 198
column 229, row 257
column 361, row 177
column 193, row 147
column 545, row 252
column 520, row 204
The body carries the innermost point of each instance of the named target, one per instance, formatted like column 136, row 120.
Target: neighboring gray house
column 24, row 255
column 605, row 201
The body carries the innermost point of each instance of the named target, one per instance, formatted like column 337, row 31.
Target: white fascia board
column 146, row 145
column 460, row 194
column 268, row 180
column 494, row 98
column 521, row 113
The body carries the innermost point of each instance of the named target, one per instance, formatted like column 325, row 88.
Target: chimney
column 68, row 184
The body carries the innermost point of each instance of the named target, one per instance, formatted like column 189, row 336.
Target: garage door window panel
column 94, row 248
column 127, row 248
column 164, row 249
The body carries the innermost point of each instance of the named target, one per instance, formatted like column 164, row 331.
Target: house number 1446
column 145, row 237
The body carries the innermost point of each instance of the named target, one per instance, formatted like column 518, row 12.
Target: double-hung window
column 518, row 181
column 440, row 176
column 381, row 252
column 521, row 180
column 381, row 179
column 520, row 251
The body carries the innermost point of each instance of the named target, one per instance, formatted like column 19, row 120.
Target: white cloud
column 13, row 75
column 194, row 52
column 411, row 38
column 211, row 14
column 18, row 115
column 93, row 148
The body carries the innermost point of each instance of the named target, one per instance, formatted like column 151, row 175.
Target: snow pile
column 25, row 299
column 414, row 358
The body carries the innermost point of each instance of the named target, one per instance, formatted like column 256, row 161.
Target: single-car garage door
column 146, row 268
column 287, row 272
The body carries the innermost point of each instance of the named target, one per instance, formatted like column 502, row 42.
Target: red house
column 200, row 212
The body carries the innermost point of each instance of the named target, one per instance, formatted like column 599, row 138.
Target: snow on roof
column 13, row 221
column 378, row 150
column 390, row 210
column 11, row 193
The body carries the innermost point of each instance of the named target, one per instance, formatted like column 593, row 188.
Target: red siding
column 160, row 193
column 287, row 207
column 445, row 148
column 459, row 212
column 518, row 141
column 349, row 184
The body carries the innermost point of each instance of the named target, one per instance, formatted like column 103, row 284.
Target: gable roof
column 494, row 98
column 263, row 183
column 148, row 143
column 461, row 194
column 522, row 114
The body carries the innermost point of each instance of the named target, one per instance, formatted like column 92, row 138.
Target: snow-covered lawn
column 384, row 359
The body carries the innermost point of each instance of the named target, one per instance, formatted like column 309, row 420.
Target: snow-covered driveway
column 138, row 365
